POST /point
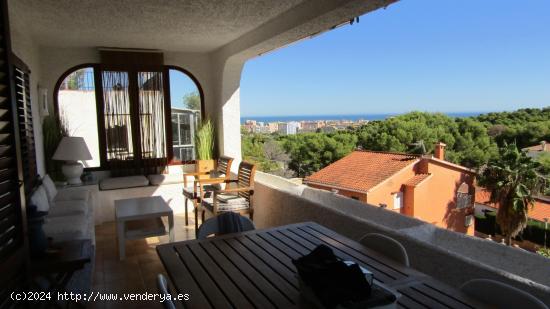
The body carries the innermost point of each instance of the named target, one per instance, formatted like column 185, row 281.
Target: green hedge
column 534, row 232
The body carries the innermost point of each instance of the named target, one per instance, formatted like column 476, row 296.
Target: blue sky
column 180, row 85
column 428, row 55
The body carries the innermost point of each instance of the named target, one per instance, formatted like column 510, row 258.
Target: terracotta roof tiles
column 362, row 170
column 539, row 211
column 416, row 179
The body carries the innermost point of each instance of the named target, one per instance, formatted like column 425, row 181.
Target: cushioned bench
column 169, row 186
column 123, row 182
column 165, row 179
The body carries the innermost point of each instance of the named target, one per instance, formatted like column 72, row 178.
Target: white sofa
column 70, row 216
column 70, row 213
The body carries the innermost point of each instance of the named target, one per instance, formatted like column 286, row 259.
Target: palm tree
column 514, row 182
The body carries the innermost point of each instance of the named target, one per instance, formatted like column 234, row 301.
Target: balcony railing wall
column 448, row 256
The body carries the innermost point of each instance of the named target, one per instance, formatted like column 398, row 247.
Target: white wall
column 218, row 72
column 24, row 48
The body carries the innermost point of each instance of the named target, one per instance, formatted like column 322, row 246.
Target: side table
column 59, row 264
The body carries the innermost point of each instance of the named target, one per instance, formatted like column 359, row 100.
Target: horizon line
column 365, row 114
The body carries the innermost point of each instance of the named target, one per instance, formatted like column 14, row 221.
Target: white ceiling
column 171, row 25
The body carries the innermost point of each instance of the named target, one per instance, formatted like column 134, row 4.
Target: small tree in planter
column 204, row 147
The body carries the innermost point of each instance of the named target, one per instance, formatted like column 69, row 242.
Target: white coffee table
column 141, row 218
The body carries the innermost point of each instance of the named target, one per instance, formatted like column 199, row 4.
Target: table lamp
column 72, row 149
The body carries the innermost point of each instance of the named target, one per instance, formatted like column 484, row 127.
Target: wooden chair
column 500, row 295
column 236, row 198
column 191, row 192
column 211, row 226
column 387, row 246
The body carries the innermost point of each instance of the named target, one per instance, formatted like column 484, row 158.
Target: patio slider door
column 134, row 114
column 152, row 119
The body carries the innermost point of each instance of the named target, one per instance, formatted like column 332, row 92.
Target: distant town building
column 304, row 126
column 537, row 150
column 273, row 127
column 309, row 126
column 425, row 187
column 289, row 128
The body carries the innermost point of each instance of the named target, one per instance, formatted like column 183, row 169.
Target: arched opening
column 76, row 106
column 77, row 109
column 186, row 112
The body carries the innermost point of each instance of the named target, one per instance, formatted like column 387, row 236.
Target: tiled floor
column 137, row 273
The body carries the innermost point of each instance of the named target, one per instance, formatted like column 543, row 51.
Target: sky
column 180, row 85
column 428, row 55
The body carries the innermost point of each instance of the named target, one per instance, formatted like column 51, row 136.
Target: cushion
column 165, row 179
column 231, row 199
column 72, row 194
column 68, row 208
column 123, row 182
column 208, row 204
column 51, row 190
column 66, row 228
column 39, row 198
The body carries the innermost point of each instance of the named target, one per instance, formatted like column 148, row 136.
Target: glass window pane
column 118, row 124
column 151, row 114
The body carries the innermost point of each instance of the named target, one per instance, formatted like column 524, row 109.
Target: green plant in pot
column 53, row 131
column 204, row 147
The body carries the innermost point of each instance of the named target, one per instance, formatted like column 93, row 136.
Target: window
column 138, row 120
column 468, row 220
column 355, row 198
column 463, row 198
column 185, row 102
column 397, row 200
column 76, row 102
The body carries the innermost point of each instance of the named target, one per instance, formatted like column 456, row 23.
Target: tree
column 266, row 153
column 310, row 152
column 192, row 100
column 514, row 181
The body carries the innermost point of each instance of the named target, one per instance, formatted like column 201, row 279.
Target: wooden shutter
column 26, row 131
column 13, row 244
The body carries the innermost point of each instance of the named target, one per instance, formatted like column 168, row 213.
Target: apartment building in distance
column 421, row 186
column 289, row 128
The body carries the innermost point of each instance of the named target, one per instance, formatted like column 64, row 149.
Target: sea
column 355, row 117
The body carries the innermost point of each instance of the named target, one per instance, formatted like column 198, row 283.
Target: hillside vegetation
column 471, row 141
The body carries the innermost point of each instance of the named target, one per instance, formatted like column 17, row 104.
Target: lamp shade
column 72, row 148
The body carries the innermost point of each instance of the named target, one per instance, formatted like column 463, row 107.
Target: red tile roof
column 362, row 170
column 538, row 147
column 539, row 211
column 416, row 179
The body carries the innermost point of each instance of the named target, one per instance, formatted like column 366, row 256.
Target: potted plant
column 53, row 131
column 204, row 147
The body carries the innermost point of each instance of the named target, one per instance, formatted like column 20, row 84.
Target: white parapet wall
column 451, row 257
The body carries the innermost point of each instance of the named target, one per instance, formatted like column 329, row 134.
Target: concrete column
column 225, row 111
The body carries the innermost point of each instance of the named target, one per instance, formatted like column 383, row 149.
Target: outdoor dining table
column 254, row 270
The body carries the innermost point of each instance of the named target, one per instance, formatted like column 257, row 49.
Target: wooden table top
column 254, row 270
